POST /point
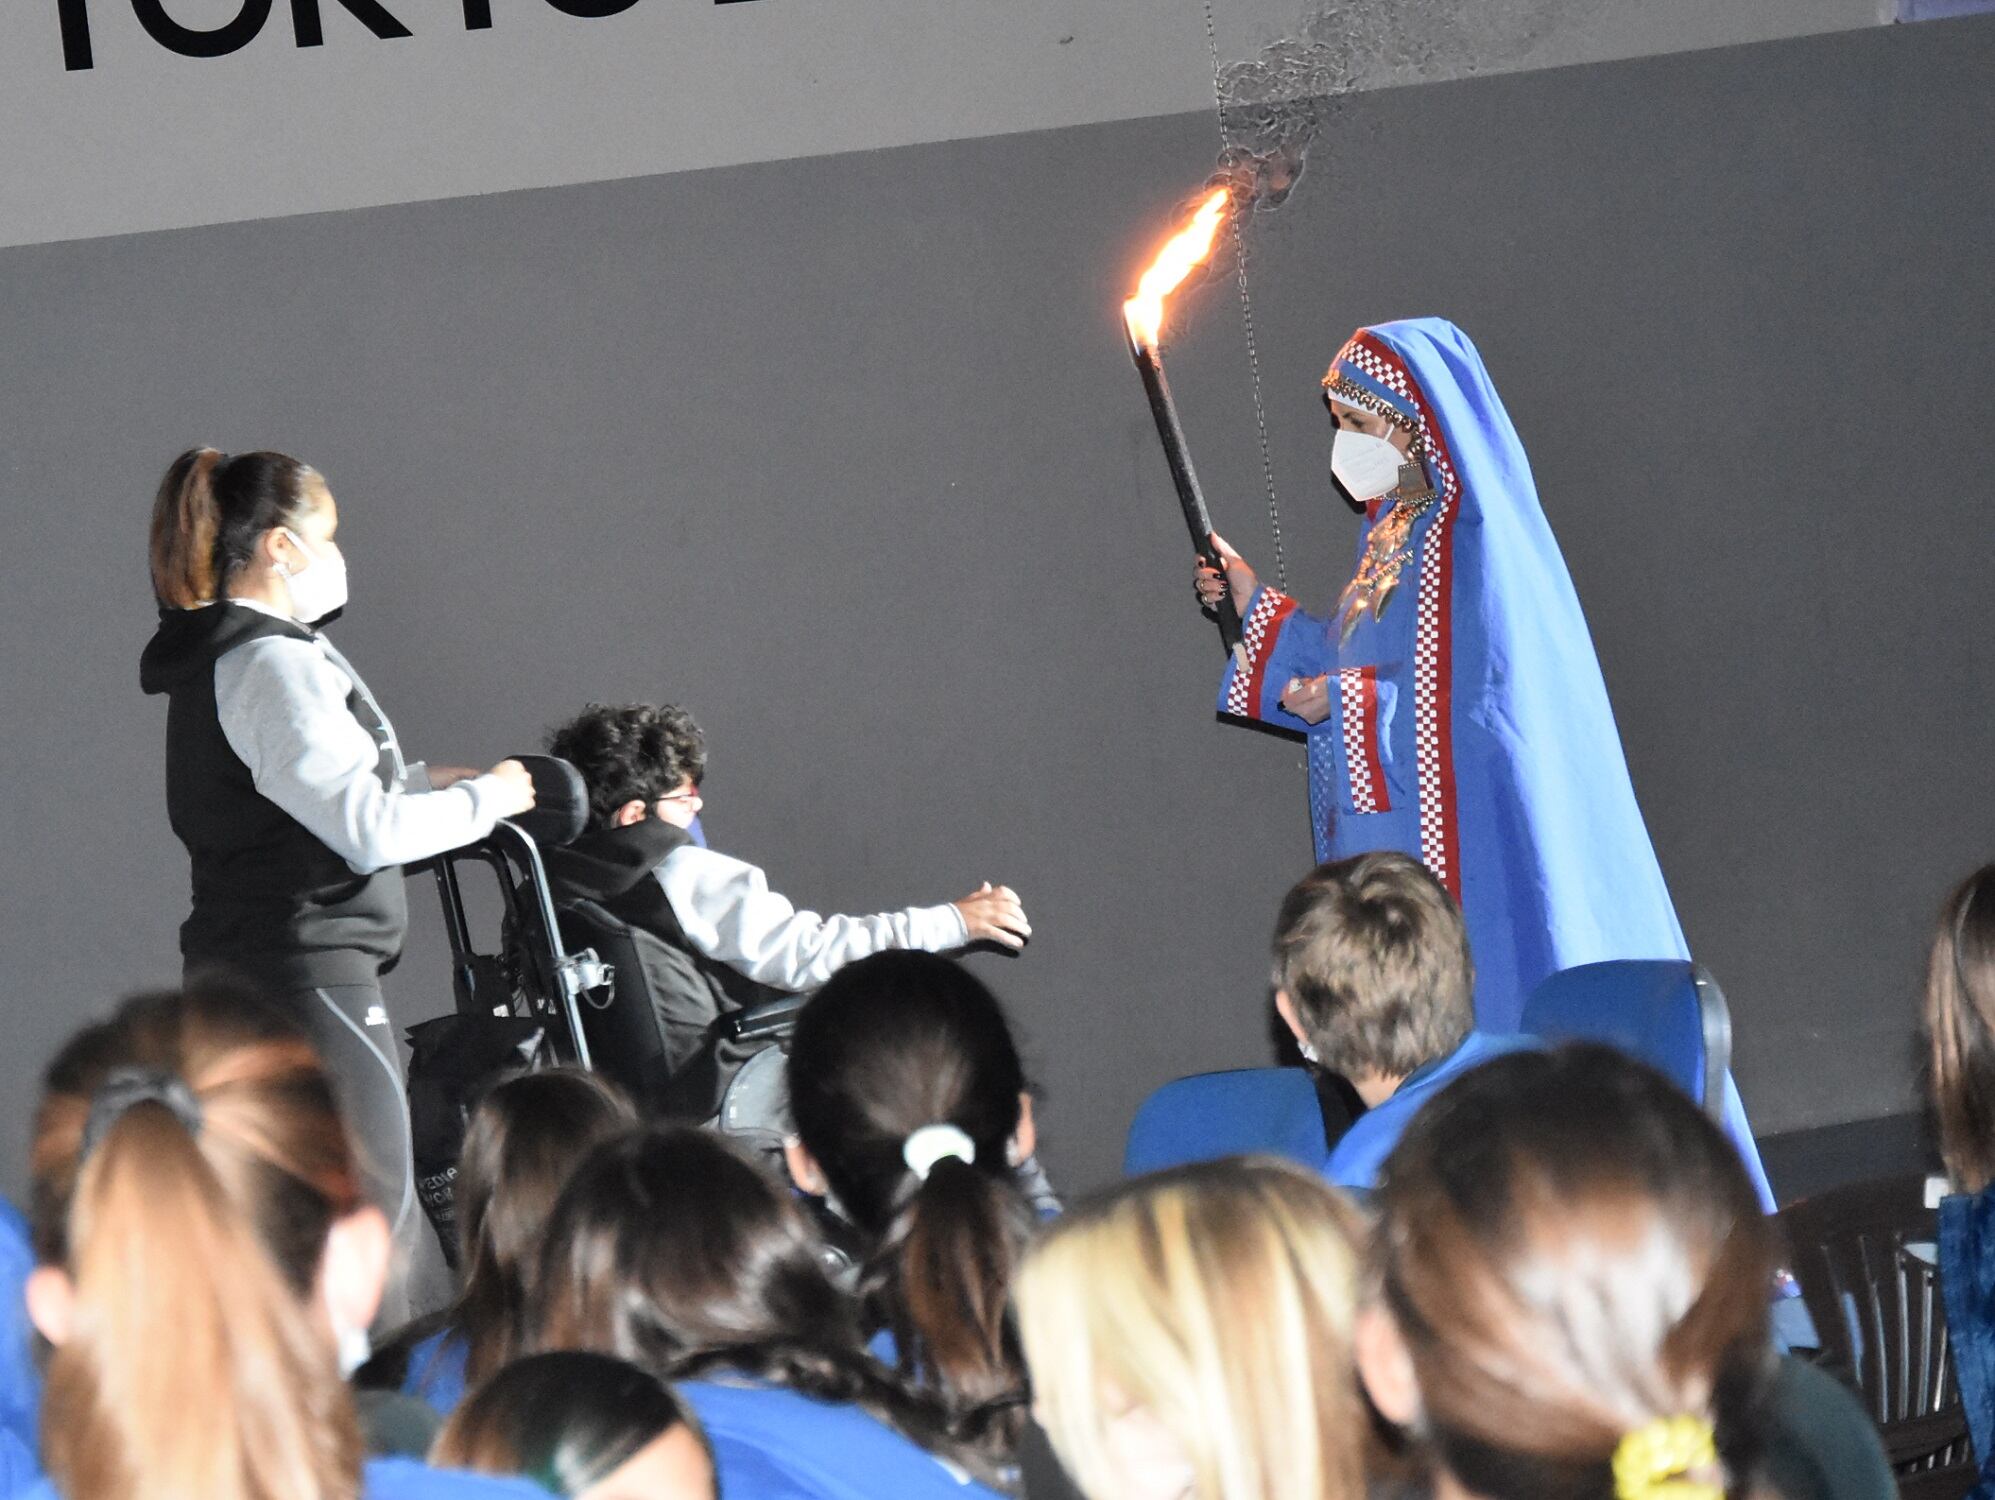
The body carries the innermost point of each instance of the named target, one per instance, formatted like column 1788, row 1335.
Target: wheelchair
column 566, row 986
column 723, row 1069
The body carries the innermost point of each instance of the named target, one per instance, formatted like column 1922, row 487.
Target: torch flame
column 1144, row 312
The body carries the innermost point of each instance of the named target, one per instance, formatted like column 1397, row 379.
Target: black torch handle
column 1150, row 365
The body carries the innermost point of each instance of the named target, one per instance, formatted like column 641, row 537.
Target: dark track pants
column 349, row 1025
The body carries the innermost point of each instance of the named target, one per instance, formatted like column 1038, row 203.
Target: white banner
column 126, row 115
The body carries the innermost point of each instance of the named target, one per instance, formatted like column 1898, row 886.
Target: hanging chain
column 1247, row 314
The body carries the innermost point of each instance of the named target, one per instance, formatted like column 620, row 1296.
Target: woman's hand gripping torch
column 1143, row 315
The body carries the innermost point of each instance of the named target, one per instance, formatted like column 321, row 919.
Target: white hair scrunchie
column 930, row 1144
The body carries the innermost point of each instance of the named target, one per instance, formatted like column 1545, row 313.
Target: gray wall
column 845, row 454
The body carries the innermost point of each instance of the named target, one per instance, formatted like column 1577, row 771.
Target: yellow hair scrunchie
column 1650, row 1462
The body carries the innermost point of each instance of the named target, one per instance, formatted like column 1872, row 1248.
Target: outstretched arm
column 729, row 913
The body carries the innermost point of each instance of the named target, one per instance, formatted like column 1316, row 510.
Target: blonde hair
column 1960, row 1030
column 1374, row 955
column 192, row 1234
column 1218, row 1297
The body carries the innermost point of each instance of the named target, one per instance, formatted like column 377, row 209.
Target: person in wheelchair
column 709, row 937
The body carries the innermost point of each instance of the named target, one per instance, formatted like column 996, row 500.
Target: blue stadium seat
column 1210, row 1115
column 1670, row 1013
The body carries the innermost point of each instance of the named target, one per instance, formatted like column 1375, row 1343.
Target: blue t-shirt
column 436, row 1370
column 774, row 1444
column 388, row 1479
column 405, row 1479
column 1355, row 1160
column 20, row 1470
column 20, row 1381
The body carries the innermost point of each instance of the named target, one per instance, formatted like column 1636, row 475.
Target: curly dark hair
column 631, row 751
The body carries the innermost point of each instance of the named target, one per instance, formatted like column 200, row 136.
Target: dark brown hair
column 1960, row 1030
column 566, row 1421
column 195, row 1365
column 527, row 1135
column 890, row 1044
column 632, row 752
column 211, row 509
column 1374, row 955
column 1572, row 1250
column 672, row 1248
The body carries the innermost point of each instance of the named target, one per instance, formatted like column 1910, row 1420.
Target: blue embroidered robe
column 1469, row 723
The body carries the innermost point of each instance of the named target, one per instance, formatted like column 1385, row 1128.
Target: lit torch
column 1144, row 316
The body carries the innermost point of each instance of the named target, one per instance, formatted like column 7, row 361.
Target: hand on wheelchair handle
column 994, row 914
column 515, row 788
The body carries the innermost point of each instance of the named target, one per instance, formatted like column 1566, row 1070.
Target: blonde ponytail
column 196, row 1366
column 185, row 524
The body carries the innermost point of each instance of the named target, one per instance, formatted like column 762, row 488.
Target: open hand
column 994, row 914
column 1211, row 588
column 1308, row 698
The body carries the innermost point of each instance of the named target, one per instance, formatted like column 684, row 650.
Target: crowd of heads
column 1558, row 1291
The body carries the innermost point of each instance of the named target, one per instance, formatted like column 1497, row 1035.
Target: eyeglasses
column 690, row 794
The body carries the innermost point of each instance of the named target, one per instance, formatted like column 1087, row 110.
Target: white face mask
column 317, row 590
column 1367, row 466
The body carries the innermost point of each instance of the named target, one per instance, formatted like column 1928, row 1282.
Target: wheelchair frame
column 532, row 974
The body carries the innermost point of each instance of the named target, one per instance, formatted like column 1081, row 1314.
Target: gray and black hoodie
column 286, row 784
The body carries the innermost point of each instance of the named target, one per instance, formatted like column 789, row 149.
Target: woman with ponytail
column 672, row 1248
column 1571, row 1282
column 912, row 1120
column 284, row 778
column 206, row 1264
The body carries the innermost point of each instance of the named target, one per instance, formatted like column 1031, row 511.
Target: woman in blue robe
column 1451, row 701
